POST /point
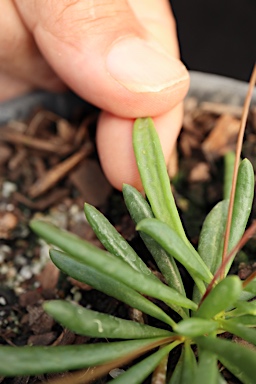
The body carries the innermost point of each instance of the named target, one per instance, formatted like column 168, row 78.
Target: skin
column 121, row 55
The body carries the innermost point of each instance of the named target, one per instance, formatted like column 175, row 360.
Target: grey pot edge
column 63, row 104
column 219, row 89
column 203, row 86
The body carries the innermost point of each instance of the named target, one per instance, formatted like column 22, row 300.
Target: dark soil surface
column 49, row 167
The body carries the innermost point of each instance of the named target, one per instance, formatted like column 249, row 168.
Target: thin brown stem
column 221, row 270
column 236, row 165
column 90, row 374
column 249, row 279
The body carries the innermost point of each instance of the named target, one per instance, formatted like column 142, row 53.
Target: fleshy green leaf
column 235, row 357
column 222, row 296
column 251, row 287
column 189, row 365
column 176, row 375
column 106, row 284
column 211, row 236
column 246, row 320
column 244, row 308
column 91, row 323
column 229, row 162
column 220, row 379
column 139, row 209
column 248, row 334
column 139, row 372
column 17, row 361
column 104, row 262
column 246, row 295
column 154, row 176
column 207, row 370
column 194, row 327
column 113, row 241
column 242, row 204
column 172, row 243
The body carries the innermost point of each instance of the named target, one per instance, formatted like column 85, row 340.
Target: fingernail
column 142, row 66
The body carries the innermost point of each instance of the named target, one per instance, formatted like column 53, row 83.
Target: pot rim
column 203, row 86
column 219, row 89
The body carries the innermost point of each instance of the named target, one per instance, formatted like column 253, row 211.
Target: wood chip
column 50, row 178
column 29, row 298
column 221, row 109
column 41, row 121
column 53, row 197
column 90, row 181
column 17, row 159
column 5, row 153
column 187, row 143
column 39, row 321
column 8, row 222
column 43, row 339
column 200, row 173
column 49, row 276
column 65, row 338
column 222, row 138
column 36, row 143
column 79, row 284
column 66, row 131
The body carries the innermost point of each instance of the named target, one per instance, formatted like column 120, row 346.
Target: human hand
column 119, row 55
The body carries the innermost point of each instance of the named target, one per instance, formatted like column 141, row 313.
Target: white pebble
column 116, row 372
column 26, row 272
column 8, row 188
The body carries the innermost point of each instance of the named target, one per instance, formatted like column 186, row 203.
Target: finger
column 114, row 140
column 104, row 54
column 12, row 87
column 20, row 59
column 157, row 18
column 114, row 135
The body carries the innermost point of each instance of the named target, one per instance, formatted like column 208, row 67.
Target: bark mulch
column 49, row 167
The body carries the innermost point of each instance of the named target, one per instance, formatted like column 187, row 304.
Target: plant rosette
column 220, row 302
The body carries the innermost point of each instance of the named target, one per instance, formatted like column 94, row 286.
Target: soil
column 49, row 167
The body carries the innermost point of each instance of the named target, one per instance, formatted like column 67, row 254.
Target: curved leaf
column 104, row 262
column 235, row 357
column 251, row 287
column 224, row 295
column 173, row 244
column 106, row 284
column 113, row 241
column 140, row 371
column 244, row 308
column 246, row 295
column 229, row 162
column 211, row 236
column 139, row 209
column 91, row 323
column 207, row 370
column 189, row 365
column 176, row 374
column 17, row 361
column 240, row 330
column 194, row 327
column 212, row 233
column 154, row 176
column 242, row 204
column 246, row 320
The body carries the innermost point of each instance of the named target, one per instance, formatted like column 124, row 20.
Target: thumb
column 101, row 50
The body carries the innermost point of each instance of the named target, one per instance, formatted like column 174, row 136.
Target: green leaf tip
column 153, row 172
